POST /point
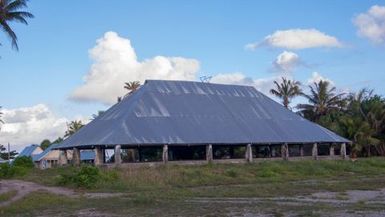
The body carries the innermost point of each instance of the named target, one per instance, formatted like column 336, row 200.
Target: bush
column 85, row 176
column 6, row 170
column 23, row 162
column 20, row 166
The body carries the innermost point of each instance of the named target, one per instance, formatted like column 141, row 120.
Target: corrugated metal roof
column 87, row 155
column 84, row 154
column 184, row 112
column 38, row 157
column 27, row 151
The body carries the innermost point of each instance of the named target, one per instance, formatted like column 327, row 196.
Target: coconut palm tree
column 73, row 127
column 10, row 12
column 363, row 122
column 286, row 90
column 132, row 86
column 323, row 99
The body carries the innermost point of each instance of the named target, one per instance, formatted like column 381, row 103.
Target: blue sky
column 54, row 48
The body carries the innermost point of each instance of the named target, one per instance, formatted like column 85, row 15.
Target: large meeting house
column 197, row 122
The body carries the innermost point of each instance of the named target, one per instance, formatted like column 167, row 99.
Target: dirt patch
column 332, row 198
column 94, row 213
column 24, row 188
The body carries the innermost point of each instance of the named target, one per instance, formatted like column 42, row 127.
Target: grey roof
column 185, row 112
column 27, row 151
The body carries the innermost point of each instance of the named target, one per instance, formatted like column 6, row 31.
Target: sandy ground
column 24, row 188
column 348, row 197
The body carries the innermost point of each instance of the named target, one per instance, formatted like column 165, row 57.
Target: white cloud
column 115, row 62
column 316, row 77
column 297, row 39
column 28, row 125
column 286, row 61
column 232, row 78
column 262, row 84
column 372, row 24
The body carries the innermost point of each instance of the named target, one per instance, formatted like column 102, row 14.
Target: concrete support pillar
column 76, row 157
column 249, row 153
column 331, row 150
column 209, row 153
column 165, row 154
column 63, row 159
column 301, row 151
column 98, row 156
column 118, row 158
column 343, row 151
column 285, row 151
column 315, row 151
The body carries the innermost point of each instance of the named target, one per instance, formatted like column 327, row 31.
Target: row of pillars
column 99, row 158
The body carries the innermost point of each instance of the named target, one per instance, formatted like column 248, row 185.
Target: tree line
column 357, row 116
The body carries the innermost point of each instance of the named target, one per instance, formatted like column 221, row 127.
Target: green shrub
column 85, row 176
column 19, row 167
column 19, row 170
column 23, row 162
column 6, row 170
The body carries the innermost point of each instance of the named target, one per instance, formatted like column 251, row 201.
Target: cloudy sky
column 76, row 55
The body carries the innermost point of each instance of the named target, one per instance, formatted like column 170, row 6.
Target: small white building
column 48, row 158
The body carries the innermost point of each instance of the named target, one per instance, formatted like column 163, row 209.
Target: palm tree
column 45, row 144
column 132, row 86
column 286, row 90
column 9, row 12
column 323, row 99
column 73, row 127
column 363, row 122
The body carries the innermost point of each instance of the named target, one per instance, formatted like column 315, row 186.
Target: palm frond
column 11, row 34
column 15, row 5
column 8, row 13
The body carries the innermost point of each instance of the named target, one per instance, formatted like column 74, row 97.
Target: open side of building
column 184, row 121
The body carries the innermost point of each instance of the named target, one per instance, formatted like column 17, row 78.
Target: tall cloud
column 286, row 62
column 115, row 62
column 30, row 125
column 372, row 24
column 297, row 39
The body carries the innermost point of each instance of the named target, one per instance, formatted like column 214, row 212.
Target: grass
column 266, row 173
column 165, row 189
column 7, row 195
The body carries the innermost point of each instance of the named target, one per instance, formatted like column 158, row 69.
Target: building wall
column 37, row 150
